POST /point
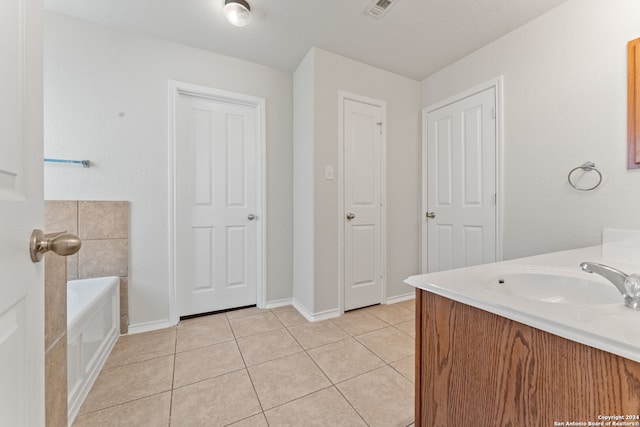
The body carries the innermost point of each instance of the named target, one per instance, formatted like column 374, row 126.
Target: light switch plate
column 328, row 172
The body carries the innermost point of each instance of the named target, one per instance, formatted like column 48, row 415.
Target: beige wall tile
column 72, row 266
column 55, row 294
column 124, row 305
column 61, row 215
column 124, row 324
column 55, row 386
column 99, row 258
column 103, row 220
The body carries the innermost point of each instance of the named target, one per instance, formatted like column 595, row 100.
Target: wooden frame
column 633, row 99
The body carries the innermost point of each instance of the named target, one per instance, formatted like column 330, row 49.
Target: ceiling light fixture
column 237, row 12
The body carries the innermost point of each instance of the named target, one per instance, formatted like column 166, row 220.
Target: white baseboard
column 149, row 326
column 315, row 317
column 279, row 303
column 400, row 298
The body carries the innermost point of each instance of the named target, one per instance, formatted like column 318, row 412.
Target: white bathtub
column 93, row 327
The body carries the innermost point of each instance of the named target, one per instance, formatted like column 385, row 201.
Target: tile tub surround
column 55, row 339
column 218, row 371
column 103, row 227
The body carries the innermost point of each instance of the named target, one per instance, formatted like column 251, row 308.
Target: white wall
column 303, row 208
column 565, row 103
column 106, row 101
column 332, row 73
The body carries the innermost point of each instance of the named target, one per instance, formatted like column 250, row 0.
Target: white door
column 21, row 210
column 461, row 183
column 362, row 136
column 216, row 205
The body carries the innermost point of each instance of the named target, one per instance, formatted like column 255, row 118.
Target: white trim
column 177, row 88
column 315, row 317
column 150, row 326
column 497, row 84
column 279, row 303
column 342, row 95
column 400, row 298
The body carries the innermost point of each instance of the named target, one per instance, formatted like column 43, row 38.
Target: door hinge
column 380, row 125
column 493, row 113
column 495, row 198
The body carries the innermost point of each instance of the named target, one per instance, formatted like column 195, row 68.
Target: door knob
column 431, row 215
column 251, row 217
column 350, row 216
column 61, row 243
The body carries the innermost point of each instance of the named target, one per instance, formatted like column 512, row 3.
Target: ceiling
column 415, row 38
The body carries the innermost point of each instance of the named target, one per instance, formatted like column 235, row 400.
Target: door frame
column 497, row 84
column 177, row 88
column 342, row 96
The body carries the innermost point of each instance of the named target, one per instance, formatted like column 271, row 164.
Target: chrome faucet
column 628, row 285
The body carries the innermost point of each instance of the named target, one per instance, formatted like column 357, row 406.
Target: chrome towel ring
column 587, row 167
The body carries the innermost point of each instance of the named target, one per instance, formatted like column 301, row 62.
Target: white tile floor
column 257, row 367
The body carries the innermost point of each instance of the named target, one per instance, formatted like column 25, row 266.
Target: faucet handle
column 632, row 284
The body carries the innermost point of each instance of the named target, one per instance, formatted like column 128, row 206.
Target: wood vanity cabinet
column 474, row 368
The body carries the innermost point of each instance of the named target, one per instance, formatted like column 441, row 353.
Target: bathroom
column 564, row 103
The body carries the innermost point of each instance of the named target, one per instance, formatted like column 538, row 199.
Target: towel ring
column 587, row 167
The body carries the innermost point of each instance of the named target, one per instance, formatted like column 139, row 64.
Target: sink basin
column 558, row 288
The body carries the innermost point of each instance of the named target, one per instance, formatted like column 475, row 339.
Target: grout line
column 246, row 367
column 121, row 404
column 209, row 378
column 352, row 407
column 173, row 377
column 245, row 418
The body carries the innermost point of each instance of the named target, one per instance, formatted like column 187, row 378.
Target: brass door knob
column 61, row 243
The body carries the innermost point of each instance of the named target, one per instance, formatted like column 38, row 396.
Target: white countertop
column 610, row 327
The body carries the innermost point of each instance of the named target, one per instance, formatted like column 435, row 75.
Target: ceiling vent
column 378, row 8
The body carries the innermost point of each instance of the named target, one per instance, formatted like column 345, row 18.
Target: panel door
column 21, row 210
column 461, row 183
column 362, row 192
column 216, row 237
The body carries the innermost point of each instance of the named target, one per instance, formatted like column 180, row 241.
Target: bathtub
column 93, row 326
